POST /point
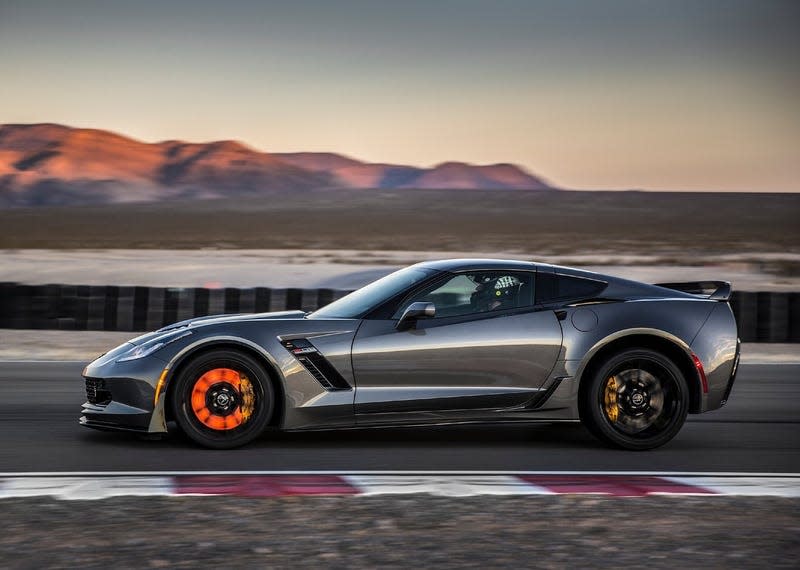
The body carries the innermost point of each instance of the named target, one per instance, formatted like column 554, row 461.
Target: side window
column 556, row 287
column 476, row 292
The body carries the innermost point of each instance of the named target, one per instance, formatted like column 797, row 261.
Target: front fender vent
column 316, row 364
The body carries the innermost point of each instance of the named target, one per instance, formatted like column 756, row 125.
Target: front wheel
column 223, row 399
column 637, row 399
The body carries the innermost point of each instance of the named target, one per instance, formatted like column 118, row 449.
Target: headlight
column 151, row 346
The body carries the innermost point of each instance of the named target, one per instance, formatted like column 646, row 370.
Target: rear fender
column 625, row 338
column 716, row 345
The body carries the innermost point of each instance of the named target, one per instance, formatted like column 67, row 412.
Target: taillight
column 701, row 371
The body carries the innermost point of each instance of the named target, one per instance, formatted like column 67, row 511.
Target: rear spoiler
column 714, row 290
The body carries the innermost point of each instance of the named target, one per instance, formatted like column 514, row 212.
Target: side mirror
column 415, row 311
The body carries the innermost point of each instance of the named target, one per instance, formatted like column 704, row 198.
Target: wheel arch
column 181, row 360
column 668, row 345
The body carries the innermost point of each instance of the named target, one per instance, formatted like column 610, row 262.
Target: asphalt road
column 757, row 431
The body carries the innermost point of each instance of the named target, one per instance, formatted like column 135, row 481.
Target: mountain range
column 51, row 164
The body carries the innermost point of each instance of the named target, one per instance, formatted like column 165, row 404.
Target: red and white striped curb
column 101, row 486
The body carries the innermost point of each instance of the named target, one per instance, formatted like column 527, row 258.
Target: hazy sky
column 683, row 95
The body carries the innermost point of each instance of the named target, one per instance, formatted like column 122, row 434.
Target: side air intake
column 316, row 364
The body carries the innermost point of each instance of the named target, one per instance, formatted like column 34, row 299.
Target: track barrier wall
column 762, row 316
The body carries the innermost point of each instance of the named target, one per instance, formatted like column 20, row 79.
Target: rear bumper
column 732, row 379
column 717, row 346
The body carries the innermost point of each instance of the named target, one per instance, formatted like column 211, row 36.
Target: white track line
column 745, row 486
column 407, row 472
column 444, row 485
column 82, row 488
column 105, row 485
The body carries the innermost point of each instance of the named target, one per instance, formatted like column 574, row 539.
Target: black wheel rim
column 640, row 398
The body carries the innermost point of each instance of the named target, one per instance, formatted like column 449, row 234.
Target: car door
column 486, row 347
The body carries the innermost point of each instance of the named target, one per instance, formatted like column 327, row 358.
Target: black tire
column 250, row 401
column 637, row 399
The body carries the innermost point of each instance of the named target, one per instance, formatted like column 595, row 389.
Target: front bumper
column 121, row 395
column 117, row 404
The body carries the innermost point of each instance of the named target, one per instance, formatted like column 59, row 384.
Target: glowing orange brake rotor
column 233, row 383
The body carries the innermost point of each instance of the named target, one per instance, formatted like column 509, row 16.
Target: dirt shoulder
column 402, row 531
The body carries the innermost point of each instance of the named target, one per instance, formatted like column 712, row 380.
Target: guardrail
column 121, row 308
column 762, row 316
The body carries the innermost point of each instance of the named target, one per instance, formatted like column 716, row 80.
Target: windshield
column 361, row 301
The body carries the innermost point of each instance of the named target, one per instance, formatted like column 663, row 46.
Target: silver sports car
column 465, row 340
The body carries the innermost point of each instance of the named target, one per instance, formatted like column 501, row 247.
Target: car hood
column 218, row 319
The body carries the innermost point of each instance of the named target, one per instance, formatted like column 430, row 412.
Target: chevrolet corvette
column 441, row 342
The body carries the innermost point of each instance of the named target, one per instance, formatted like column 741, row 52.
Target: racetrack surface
column 757, row 431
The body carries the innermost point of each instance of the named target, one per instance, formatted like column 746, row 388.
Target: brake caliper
column 610, row 399
column 248, row 397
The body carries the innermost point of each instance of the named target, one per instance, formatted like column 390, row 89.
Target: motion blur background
column 370, row 135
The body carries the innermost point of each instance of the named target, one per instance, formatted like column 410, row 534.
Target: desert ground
column 345, row 238
column 670, row 225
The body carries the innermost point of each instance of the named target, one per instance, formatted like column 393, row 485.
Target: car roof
column 478, row 264
column 617, row 286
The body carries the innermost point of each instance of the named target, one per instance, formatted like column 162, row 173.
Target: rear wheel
column 637, row 399
column 223, row 399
